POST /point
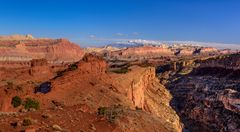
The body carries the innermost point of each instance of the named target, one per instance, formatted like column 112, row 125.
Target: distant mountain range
column 141, row 42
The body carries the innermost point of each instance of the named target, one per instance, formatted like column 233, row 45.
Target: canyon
column 207, row 97
column 54, row 85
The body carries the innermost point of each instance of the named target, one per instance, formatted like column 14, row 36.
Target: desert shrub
column 27, row 122
column 111, row 113
column 102, row 111
column 31, row 103
column 16, row 101
column 73, row 67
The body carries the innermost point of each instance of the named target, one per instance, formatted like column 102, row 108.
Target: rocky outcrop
column 23, row 49
column 40, row 68
column 17, row 37
column 104, row 51
column 185, row 52
column 146, row 52
column 203, row 107
column 207, row 99
column 206, row 51
column 143, row 89
column 231, row 100
column 91, row 84
column 231, row 62
column 143, row 100
column 92, row 64
column 143, row 52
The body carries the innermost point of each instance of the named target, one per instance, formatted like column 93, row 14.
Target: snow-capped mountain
column 142, row 42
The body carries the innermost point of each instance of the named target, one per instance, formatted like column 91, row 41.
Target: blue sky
column 90, row 22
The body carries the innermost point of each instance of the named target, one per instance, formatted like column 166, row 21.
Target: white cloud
column 135, row 33
column 120, row 34
column 92, row 36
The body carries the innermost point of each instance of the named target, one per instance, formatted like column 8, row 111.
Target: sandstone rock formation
column 155, row 53
column 206, row 51
column 185, row 51
column 118, row 88
column 87, row 86
column 144, row 51
column 231, row 100
column 231, row 62
column 101, row 50
column 18, row 49
column 207, row 98
column 17, row 37
column 202, row 106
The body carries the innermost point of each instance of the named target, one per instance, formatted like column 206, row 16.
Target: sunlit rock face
column 143, row 52
column 14, row 49
column 208, row 50
column 185, row 51
column 89, row 83
column 17, row 37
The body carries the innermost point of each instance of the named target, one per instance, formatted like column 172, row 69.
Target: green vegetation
column 16, row 101
column 31, row 103
column 102, row 111
column 28, row 103
column 111, row 113
column 73, row 67
column 27, row 122
column 185, row 71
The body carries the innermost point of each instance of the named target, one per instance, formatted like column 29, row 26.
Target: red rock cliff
column 91, row 84
column 55, row 51
column 144, row 51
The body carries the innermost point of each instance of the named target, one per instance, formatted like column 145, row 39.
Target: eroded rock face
column 146, row 52
column 207, row 99
column 20, row 50
column 92, row 85
column 40, row 68
column 145, row 92
column 17, row 37
column 186, row 51
column 229, row 62
column 101, row 50
column 202, row 105
column 92, row 64
column 143, row 51
column 144, row 102
column 231, row 100
column 206, row 51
